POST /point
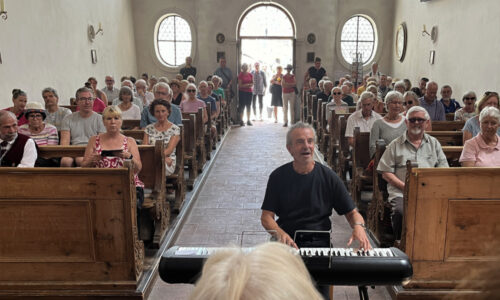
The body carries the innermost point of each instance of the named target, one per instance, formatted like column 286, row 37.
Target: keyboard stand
column 363, row 292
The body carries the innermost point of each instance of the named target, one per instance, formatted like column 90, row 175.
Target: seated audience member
column 184, row 83
column 126, row 149
column 271, row 271
column 191, row 79
column 430, row 102
column 54, row 113
column 407, row 84
column 410, row 99
column 128, row 110
column 145, row 77
column 218, row 90
column 336, row 103
column 414, row 145
column 177, row 96
column 383, row 87
column 98, row 106
column 163, row 130
column 179, row 77
column 389, row 82
column 192, row 104
column 204, row 95
column 151, row 83
column 321, row 86
column 110, row 90
column 392, row 125
column 363, row 118
column 80, row 126
column 144, row 96
column 325, row 94
column 353, row 95
column 43, row 134
column 378, row 104
column 417, row 91
column 123, row 78
column 133, row 80
column 450, row 105
column 162, row 91
column 483, row 150
column 422, row 86
column 19, row 99
column 16, row 150
column 188, row 69
column 471, row 127
column 468, row 111
column 400, row 87
column 346, row 95
column 313, row 86
column 217, row 98
column 97, row 92
column 135, row 99
column 363, row 86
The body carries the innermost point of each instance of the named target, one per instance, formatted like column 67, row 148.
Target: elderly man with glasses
column 110, row 90
column 77, row 128
column 414, row 145
column 161, row 90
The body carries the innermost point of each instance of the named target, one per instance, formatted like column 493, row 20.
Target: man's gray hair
column 391, row 96
column 4, row 114
column 431, row 83
column 490, row 111
column 83, row 90
column 50, row 90
column 412, row 95
column 400, row 83
column 366, row 95
column 297, row 126
column 161, row 84
column 141, row 81
column 417, row 109
column 128, row 83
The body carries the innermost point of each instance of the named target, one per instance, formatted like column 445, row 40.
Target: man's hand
column 268, row 222
column 359, row 234
column 284, row 238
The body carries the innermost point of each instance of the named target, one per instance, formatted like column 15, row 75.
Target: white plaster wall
column 207, row 18
column 467, row 46
column 44, row 43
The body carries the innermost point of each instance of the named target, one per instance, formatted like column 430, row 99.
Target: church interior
column 75, row 233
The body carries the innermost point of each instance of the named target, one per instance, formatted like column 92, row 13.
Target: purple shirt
column 483, row 155
column 190, row 106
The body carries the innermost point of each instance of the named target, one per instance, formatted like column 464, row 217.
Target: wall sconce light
column 3, row 12
column 92, row 33
column 433, row 33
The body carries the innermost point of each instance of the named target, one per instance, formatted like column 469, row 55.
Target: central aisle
column 230, row 199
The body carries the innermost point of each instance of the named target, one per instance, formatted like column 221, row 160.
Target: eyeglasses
column 469, row 98
column 86, row 99
column 416, row 120
column 408, row 103
column 35, row 116
column 337, row 93
column 396, row 102
column 191, row 91
column 161, row 93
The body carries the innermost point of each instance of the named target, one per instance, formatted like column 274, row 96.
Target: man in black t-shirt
column 303, row 193
column 316, row 71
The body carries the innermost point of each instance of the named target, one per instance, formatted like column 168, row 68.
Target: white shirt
column 29, row 155
column 357, row 120
column 149, row 97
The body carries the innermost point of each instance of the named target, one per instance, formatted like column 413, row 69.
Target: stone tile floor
column 229, row 202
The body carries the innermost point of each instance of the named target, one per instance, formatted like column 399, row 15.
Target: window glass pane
column 174, row 40
column 266, row 20
column 357, row 38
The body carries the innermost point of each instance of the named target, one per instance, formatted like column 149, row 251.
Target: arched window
column 173, row 40
column 266, row 21
column 358, row 39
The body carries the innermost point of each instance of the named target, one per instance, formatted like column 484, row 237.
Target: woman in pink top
column 192, row 104
column 19, row 99
column 483, row 150
column 245, row 85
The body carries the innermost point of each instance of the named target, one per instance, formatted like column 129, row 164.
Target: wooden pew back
column 447, row 125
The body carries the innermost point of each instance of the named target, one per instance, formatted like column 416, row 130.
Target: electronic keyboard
column 327, row 266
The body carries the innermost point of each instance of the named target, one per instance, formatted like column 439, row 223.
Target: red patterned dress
column 114, row 162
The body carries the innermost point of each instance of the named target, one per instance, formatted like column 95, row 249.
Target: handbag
column 295, row 90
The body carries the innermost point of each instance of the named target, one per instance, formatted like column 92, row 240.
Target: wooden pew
column 208, row 135
column 72, row 234
column 453, row 155
column 447, row 138
column 360, row 181
column 131, row 124
column 450, row 228
column 190, row 159
column 317, row 121
column 379, row 209
column 176, row 180
column 71, row 107
column 447, row 125
column 344, row 153
column 450, row 116
column 152, row 175
column 136, row 134
column 201, row 156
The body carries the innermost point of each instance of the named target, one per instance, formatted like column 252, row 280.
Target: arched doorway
column 266, row 34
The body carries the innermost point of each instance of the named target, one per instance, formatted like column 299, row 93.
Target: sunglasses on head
column 415, row 120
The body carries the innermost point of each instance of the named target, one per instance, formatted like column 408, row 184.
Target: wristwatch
column 360, row 224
